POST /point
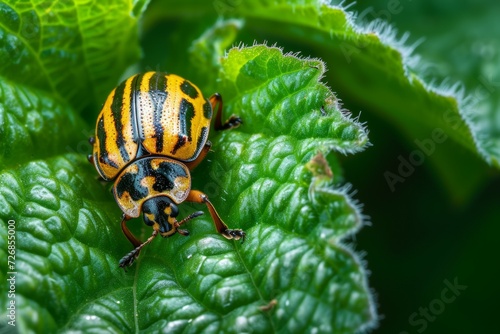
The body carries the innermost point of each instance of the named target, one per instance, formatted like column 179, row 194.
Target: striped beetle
column 151, row 132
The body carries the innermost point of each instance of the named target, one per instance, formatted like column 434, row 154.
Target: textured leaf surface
column 65, row 252
column 71, row 49
column 29, row 122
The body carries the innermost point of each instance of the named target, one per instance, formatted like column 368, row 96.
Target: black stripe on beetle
column 134, row 116
column 116, row 111
column 181, row 141
column 188, row 89
column 207, row 110
column 203, row 136
column 138, row 107
column 158, row 94
column 186, row 114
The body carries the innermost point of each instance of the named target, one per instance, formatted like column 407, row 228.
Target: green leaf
column 473, row 64
column 65, row 247
column 33, row 124
column 74, row 50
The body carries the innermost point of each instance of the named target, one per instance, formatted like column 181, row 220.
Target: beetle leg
column 133, row 240
column 128, row 259
column 183, row 232
column 203, row 153
column 196, row 196
column 233, row 121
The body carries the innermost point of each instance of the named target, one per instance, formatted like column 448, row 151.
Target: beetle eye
column 171, row 210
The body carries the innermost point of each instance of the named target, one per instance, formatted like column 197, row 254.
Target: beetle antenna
column 188, row 218
column 128, row 259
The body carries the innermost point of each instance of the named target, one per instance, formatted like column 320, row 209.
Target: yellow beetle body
column 150, row 113
column 152, row 130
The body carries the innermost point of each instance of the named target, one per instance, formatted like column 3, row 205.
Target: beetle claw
column 183, row 232
column 233, row 122
column 129, row 259
column 235, row 234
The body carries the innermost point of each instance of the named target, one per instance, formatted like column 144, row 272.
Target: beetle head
column 160, row 212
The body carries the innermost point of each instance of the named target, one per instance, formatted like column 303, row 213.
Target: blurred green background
column 421, row 234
